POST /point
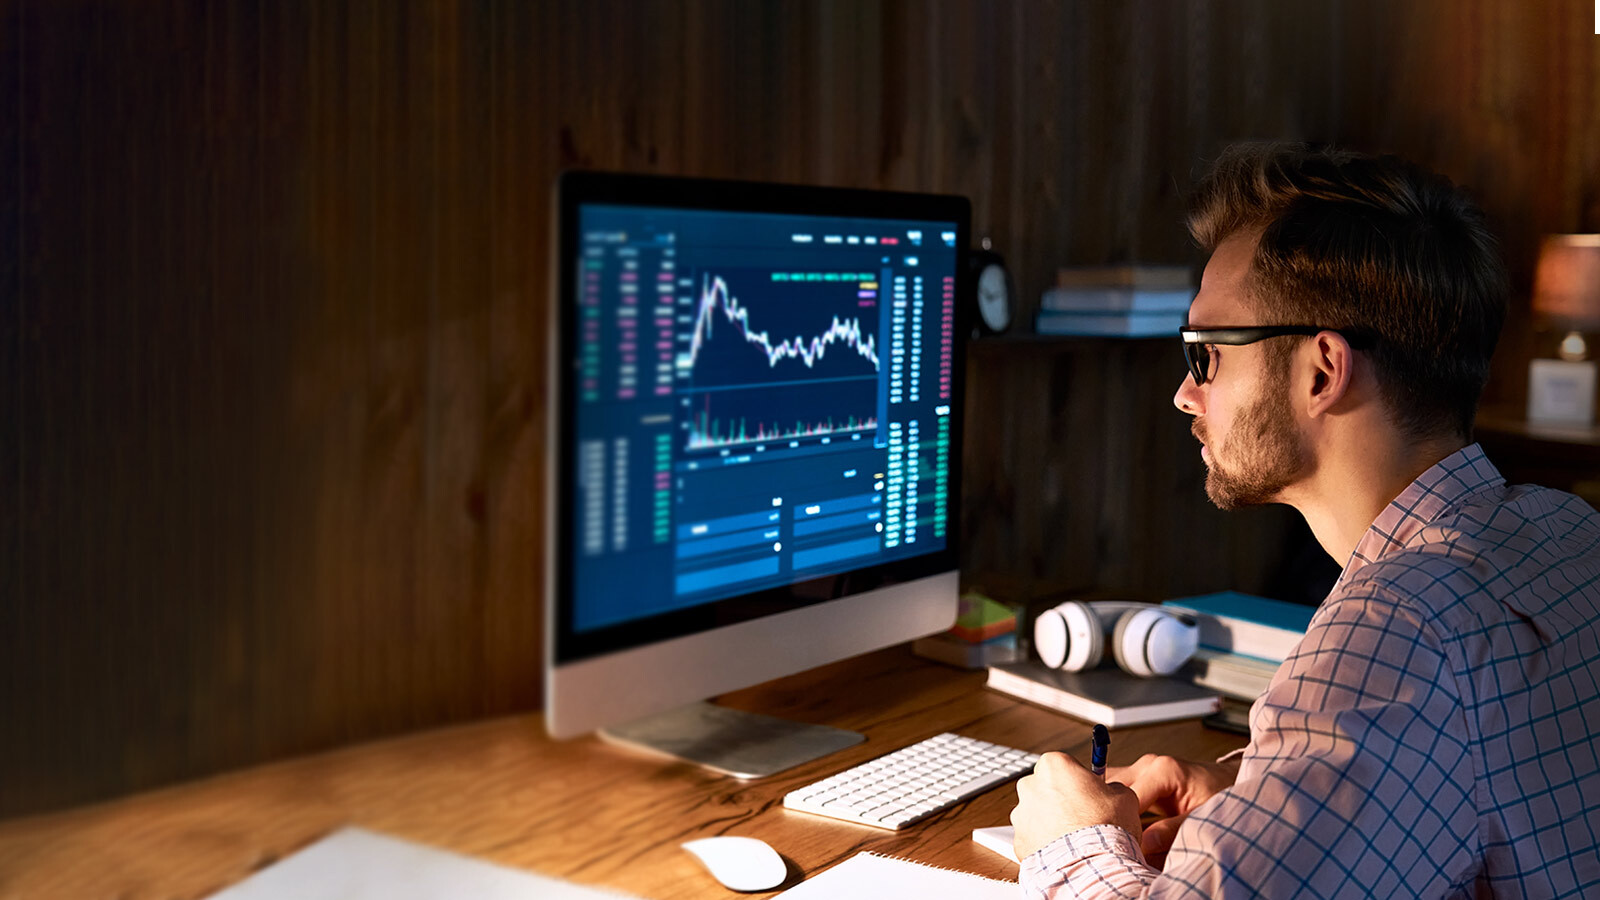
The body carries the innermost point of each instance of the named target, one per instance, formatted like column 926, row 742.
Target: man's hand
column 1062, row 796
column 1172, row 788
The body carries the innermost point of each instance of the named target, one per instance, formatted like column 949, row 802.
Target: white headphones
column 1145, row 640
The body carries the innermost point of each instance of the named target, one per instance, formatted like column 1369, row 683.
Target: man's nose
column 1188, row 398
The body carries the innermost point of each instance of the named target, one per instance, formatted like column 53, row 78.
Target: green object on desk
column 979, row 618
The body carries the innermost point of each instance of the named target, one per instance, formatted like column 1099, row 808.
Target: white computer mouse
column 740, row 863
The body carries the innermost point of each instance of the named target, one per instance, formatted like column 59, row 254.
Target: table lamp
column 1566, row 292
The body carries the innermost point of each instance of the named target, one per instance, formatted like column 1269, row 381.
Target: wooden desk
column 582, row 810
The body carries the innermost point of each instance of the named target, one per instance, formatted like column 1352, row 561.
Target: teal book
column 1243, row 623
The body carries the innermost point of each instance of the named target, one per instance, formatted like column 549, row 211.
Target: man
column 1434, row 734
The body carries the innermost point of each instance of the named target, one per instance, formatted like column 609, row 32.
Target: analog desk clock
column 993, row 292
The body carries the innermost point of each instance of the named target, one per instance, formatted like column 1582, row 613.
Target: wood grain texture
column 1068, row 491
column 275, row 291
column 582, row 810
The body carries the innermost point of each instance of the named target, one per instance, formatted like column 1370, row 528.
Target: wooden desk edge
column 501, row 790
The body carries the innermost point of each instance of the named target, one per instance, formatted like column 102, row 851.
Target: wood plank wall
column 274, row 285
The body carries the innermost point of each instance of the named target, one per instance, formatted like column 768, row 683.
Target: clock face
column 994, row 298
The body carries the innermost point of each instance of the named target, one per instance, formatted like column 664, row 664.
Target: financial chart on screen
column 761, row 399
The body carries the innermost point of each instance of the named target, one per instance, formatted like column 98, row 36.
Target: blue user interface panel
column 761, row 399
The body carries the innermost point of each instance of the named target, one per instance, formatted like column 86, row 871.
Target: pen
column 1097, row 754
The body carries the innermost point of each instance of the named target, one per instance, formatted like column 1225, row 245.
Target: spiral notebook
column 873, row 876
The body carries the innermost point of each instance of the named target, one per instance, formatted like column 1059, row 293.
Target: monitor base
column 730, row 741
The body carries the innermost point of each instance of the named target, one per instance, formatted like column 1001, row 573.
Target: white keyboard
column 912, row 783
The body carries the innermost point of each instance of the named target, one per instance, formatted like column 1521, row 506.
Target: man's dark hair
column 1375, row 246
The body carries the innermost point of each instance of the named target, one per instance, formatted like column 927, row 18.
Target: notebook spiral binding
column 924, row 865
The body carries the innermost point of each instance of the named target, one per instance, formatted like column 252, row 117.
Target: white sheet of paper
column 872, row 876
column 355, row 864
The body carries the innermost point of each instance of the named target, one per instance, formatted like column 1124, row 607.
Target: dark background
column 275, row 280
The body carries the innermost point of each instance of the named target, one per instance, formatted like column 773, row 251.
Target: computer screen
column 755, row 464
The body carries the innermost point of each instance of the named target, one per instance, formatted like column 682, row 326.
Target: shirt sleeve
column 1358, row 781
column 1102, row 858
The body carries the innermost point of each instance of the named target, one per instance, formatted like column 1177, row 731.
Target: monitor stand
column 733, row 742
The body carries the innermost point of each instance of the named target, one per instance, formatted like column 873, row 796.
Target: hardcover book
column 1127, row 325
column 1106, row 695
column 1233, row 674
column 953, row 651
column 1116, row 300
column 1243, row 623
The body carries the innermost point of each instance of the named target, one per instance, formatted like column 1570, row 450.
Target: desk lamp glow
column 1567, row 293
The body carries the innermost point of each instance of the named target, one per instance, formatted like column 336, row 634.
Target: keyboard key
column 977, row 785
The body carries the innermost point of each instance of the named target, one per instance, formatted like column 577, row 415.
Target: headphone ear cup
column 1070, row 637
column 1153, row 642
column 1050, row 638
column 1086, row 636
column 1127, row 662
column 1179, row 639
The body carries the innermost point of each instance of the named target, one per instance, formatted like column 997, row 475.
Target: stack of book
column 1117, row 301
column 985, row 634
column 1243, row 640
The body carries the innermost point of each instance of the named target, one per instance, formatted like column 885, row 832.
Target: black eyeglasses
column 1197, row 342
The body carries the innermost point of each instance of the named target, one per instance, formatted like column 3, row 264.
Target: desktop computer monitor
column 756, row 422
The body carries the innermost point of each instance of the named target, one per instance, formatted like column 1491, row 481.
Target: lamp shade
column 1566, row 286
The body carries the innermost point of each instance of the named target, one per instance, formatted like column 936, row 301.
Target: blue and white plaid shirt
column 1436, row 733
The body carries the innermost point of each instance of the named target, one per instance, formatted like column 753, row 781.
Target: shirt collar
column 1445, row 485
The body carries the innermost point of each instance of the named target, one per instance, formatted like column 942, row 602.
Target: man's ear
column 1333, row 372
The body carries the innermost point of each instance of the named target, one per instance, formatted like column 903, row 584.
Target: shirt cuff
column 1093, row 855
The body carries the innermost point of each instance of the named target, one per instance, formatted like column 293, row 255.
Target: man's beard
column 1265, row 452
